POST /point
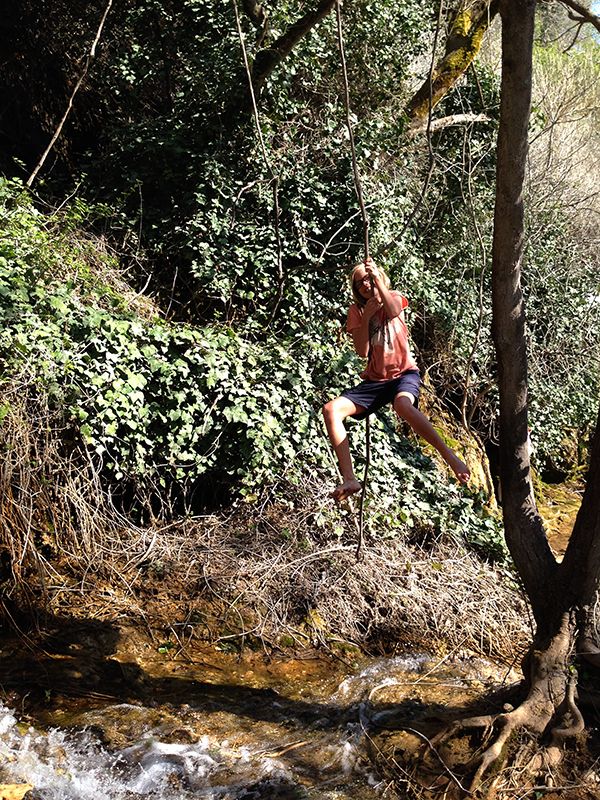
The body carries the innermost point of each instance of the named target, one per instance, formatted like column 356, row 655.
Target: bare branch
column 266, row 60
column 582, row 14
column 446, row 122
column 78, row 85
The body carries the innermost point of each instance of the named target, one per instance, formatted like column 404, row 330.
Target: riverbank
column 129, row 717
column 276, row 580
column 112, row 710
column 233, row 618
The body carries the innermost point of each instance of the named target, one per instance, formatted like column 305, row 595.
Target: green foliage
column 233, row 389
column 409, row 493
column 561, row 271
column 156, row 402
column 563, row 334
column 161, row 404
column 186, row 168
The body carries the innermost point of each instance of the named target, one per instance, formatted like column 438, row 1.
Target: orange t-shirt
column 390, row 354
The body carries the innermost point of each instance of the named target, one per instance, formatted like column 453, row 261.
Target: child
column 376, row 324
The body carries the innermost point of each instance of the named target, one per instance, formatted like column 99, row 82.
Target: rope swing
column 274, row 182
column 355, row 171
column 365, row 219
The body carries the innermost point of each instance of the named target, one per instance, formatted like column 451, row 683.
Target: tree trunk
column 571, row 588
column 467, row 29
column 580, row 569
column 563, row 596
column 523, row 525
column 555, row 591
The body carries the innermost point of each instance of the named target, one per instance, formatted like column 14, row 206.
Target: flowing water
column 224, row 728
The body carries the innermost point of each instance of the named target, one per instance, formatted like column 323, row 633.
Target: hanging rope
column 359, row 196
column 365, row 218
column 357, row 182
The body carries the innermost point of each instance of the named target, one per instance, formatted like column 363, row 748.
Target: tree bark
column 270, row 57
column 465, row 37
column 523, row 525
column 580, row 569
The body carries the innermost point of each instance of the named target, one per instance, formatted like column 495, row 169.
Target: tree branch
column 78, row 85
column 259, row 18
column 584, row 14
column 465, row 37
column 255, row 11
column 446, row 122
column 270, row 57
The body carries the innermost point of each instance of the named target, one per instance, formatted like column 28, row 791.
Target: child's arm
column 392, row 303
column 360, row 334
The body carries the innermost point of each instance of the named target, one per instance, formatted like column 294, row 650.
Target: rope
column 357, row 182
column 359, row 196
column 365, row 218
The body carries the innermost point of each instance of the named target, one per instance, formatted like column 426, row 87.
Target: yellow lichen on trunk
column 462, row 46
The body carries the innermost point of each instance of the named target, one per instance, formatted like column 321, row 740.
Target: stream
column 215, row 725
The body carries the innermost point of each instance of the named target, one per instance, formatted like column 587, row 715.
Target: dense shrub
column 219, row 383
column 159, row 405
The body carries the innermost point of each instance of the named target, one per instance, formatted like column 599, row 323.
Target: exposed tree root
column 530, row 759
column 505, row 724
column 521, row 746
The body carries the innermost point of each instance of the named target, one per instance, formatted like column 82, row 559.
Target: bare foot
column 345, row 489
column 460, row 470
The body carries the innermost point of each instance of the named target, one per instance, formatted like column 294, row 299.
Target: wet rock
column 15, row 791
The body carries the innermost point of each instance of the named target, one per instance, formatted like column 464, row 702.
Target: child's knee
column 329, row 409
column 404, row 404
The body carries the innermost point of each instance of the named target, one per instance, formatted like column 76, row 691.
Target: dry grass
column 275, row 571
column 308, row 586
column 53, row 508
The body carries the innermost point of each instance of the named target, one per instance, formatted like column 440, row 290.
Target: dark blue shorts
column 373, row 395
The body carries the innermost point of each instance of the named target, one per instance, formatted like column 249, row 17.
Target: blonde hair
column 358, row 298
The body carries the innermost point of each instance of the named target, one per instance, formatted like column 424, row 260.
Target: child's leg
column 335, row 412
column 403, row 406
